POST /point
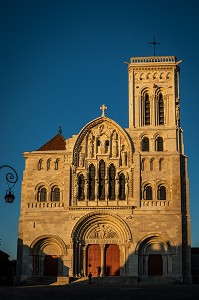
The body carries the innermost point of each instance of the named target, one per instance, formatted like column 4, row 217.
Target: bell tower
column 154, row 92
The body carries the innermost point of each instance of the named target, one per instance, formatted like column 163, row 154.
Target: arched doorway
column 93, row 259
column 155, row 255
column 50, row 265
column 47, row 253
column 96, row 238
column 112, row 260
column 155, row 265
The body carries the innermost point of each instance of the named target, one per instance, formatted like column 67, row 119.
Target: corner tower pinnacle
column 153, row 92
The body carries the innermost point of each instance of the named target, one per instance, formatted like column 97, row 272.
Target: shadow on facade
column 43, row 263
column 154, row 260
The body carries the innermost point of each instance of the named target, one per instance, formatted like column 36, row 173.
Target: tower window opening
column 145, row 144
column 91, row 184
column 102, row 180
column 159, row 144
column 81, row 182
column 146, row 110
column 161, row 109
column 121, row 187
column 112, row 182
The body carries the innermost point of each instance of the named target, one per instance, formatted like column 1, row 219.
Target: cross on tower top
column 103, row 108
column 154, row 43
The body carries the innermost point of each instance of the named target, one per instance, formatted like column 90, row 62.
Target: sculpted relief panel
column 101, row 163
column 103, row 232
column 103, row 141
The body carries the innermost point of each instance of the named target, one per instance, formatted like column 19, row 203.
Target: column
column 103, row 266
column 84, row 261
column 79, row 260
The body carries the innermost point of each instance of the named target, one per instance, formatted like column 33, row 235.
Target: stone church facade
column 112, row 197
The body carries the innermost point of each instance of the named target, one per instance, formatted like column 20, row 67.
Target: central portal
column 112, row 260
column 94, row 258
column 111, row 256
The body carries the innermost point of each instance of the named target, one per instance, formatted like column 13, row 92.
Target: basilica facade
column 112, row 197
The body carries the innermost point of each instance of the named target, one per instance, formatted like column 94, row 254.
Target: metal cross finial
column 154, row 43
column 103, row 108
column 60, row 130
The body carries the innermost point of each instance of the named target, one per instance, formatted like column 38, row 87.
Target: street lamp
column 11, row 178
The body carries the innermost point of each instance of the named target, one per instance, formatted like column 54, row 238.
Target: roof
column 56, row 143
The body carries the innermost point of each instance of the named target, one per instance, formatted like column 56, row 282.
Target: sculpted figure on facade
column 81, row 157
column 123, row 156
column 96, row 188
column 91, row 146
column 117, row 188
column 103, row 232
column 115, row 145
column 126, row 189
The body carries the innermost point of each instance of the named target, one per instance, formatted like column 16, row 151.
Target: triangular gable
column 56, row 143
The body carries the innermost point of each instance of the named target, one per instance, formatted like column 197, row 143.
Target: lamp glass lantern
column 9, row 197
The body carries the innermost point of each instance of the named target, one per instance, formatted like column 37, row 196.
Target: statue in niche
column 126, row 189
column 123, row 156
column 81, row 157
column 115, row 148
column 101, row 129
column 91, row 147
column 102, row 146
column 86, row 188
column 117, row 188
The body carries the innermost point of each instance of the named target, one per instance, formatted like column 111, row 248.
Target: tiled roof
column 56, row 143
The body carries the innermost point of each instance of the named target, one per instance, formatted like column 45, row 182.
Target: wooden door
column 112, row 259
column 93, row 259
column 50, row 265
column 155, row 265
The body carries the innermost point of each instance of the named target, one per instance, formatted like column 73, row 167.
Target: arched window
column 159, row 144
column 57, row 164
column 161, row 164
column 143, row 164
column 160, row 109
column 145, row 144
column 42, row 194
column 81, row 183
column 48, row 164
column 102, row 180
column 151, row 164
column 40, row 164
column 106, row 146
column 55, row 194
column 91, row 183
column 148, row 193
column 121, row 187
column 146, row 109
column 112, row 182
column 161, row 192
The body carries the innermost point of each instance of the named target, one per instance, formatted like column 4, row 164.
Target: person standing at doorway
column 89, row 278
column 98, row 271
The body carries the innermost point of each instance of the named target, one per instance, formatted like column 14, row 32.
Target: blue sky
column 61, row 60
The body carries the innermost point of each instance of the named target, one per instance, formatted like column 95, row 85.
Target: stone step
column 107, row 280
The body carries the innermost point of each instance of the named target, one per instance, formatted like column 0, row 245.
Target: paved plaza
column 99, row 292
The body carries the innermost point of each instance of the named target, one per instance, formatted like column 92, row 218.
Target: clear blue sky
column 60, row 60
